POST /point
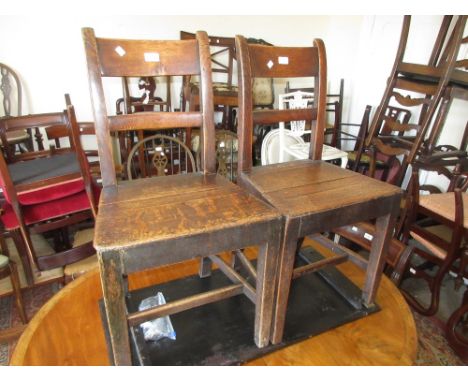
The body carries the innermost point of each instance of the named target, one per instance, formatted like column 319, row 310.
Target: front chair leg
column 284, row 276
column 265, row 287
column 113, row 287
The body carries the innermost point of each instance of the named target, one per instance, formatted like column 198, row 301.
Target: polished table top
column 68, row 330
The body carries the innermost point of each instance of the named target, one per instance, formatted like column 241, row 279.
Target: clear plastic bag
column 160, row 327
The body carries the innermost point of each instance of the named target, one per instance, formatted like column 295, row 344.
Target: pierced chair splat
column 144, row 223
column 312, row 195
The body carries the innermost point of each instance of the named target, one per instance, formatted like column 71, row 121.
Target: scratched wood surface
column 301, row 187
column 68, row 331
column 156, row 209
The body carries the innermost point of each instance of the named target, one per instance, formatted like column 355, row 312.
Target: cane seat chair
column 153, row 221
column 46, row 191
column 314, row 196
column 435, row 228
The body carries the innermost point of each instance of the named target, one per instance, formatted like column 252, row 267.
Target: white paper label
column 151, row 57
column 368, row 236
column 354, row 228
column 120, row 51
column 270, row 64
column 283, row 60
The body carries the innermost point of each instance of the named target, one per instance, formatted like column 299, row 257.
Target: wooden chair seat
column 311, row 187
column 148, row 210
column 444, row 205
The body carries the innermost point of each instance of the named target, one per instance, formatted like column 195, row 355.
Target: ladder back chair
column 421, row 88
column 46, row 190
column 153, row 221
column 314, row 196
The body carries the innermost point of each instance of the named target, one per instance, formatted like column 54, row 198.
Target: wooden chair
column 437, row 225
column 334, row 112
column 223, row 61
column 313, row 196
column 154, row 221
column 12, row 101
column 427, row 86
column 46, row 190
column 381, row 159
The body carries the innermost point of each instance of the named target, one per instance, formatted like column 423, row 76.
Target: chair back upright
column 136, row 58
column 260, row 61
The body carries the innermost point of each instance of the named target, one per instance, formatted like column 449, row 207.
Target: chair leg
column 401, row 266
column 384, row 229
column 204, row 269
column 15, row 282
column 113, row 287
column 265, row 288
column 285, row 270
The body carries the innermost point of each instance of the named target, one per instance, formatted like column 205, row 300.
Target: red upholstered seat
column 39, row 169
column 35, row 213
column 51, row 193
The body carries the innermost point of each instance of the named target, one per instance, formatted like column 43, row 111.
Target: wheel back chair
column 312, row 195
column 11, row 93
column 149, row 222
column 437, row 225
column 46, row 190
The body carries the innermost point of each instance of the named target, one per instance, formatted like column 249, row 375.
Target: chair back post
column 320, row 101
column 245, row 119
column 99, row 109
column 208, row 160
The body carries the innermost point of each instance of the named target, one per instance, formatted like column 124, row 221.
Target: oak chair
column 312, row 195
column 46, row 191
column 153, row 221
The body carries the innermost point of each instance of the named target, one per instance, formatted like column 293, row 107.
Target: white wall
column 48, row 53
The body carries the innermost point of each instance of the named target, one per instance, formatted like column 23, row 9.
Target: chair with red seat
column 46, row 190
